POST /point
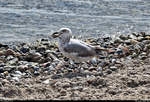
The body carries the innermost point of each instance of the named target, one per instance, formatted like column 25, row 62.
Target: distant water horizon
column 28, row 20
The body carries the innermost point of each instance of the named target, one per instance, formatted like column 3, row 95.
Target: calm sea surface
column 28, row 20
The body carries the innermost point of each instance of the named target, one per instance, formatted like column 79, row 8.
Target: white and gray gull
column 73, row 48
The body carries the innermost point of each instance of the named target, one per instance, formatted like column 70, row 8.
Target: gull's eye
column 64, row 30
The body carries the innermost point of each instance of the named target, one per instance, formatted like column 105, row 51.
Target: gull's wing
column 80, row 48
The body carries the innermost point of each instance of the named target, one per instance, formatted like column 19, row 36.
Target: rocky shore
column 39, row 71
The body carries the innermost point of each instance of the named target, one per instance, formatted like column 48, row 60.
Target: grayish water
column 28, row 20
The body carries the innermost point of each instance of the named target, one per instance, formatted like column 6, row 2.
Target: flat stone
column 113, row 68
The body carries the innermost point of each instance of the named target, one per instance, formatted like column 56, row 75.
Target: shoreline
column 37, row 68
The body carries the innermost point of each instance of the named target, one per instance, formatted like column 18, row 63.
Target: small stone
column 41, row 49
column 36, row 68
column 147, row 47
column 140, row 39
column 131, row 36
column 2, row 64
column 46, row 81
column 9, row 68
column 100, row 69
column 6, row 73
column 10, row 57
column 13, row 61
column 113, row 61
column 94, row 61
column 1, row 69
column 111, row 51
column 36, row 73
column 25, row 49
column 113, row 68
column 104, row 64
column 119, row 52
column 143, row 56
column 18, row 72
column 123, row 37
column 102, row 57
column 2, row 45
column 52, row 56
column 147, row 37
column 143, row 34
column 44, row 39
column 92, row 68
column 134, row 55
column 108, row 71
column 16, row 79
column 79, row 88
column 9, row 52
column 127, row 42
column 146, row 42
column 118, row 41
column 63, row 93
column 132, row 41
column 4, row 81
column 48, row 51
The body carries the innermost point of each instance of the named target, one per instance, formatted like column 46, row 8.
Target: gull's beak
column 56, row 34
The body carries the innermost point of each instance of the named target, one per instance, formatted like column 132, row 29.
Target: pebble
column 16, row 79
column 1, row 69
column 113, row 61
column 36, row 73
column 46, row 81
column 123, row 37
column 6, row 73
column 108, row 71
column 63, row 92
column 25, row 49
column 99, row 69
column 118, row 41
column 113, row 68
column 18, row 72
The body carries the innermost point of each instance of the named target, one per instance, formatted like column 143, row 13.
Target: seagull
column 75, row 49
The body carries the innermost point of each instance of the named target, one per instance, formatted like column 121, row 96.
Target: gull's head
column 63, row 33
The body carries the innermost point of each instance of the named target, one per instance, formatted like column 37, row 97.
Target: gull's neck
column 64, row 39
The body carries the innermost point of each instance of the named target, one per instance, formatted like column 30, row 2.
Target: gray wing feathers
column 82, row 50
